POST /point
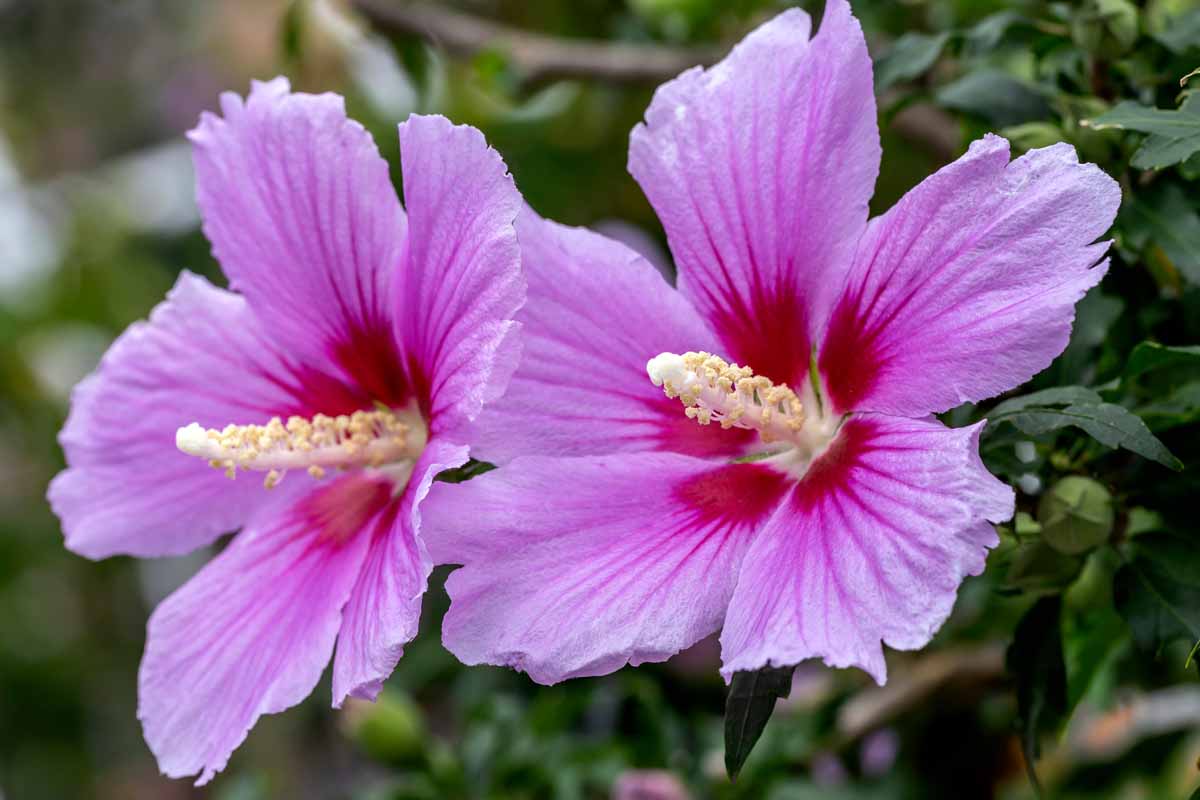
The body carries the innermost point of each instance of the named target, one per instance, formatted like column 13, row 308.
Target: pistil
column 362, row 439
column 713, row 390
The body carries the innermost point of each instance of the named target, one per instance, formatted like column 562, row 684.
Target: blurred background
column 97, row 218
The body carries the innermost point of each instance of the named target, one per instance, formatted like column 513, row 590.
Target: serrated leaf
column 1151, row 355
column 1110, row 424
column 1174, row 135
column 1158, row 592
column 1035, row 659
column 909, row 57
column 748, row 707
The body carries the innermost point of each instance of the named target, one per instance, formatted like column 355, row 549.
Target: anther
column 362, row 439
column 714, row 390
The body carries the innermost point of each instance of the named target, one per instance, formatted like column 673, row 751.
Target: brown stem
column 536, row 56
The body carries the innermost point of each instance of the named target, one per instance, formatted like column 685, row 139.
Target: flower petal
column 252, row 632
column 872, row 545
column 633, row 564
column 967, row 287
column 760, row 169
column 301, row 213
column 385, row 607
column 597, row 312
column 461, row 282
column 202, row 357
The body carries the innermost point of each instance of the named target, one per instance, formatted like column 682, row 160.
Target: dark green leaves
column 914, row 53
column 994, row 95
column 1151, row 355
column 464, row 473
column 1182, row 33
column 909, row 57
column 1035, row 659
column 1173, row 135
column 1158, row 591
column 1165, row 216
column 1074, row 406
column 748, row 706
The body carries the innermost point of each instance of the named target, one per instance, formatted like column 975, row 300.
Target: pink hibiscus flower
column 810, row 513
column 344, row 369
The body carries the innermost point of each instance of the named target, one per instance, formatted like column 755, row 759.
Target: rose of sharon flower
column 803, row 512
column 332, row 385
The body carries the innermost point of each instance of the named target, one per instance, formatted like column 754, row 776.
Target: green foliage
column 752, row 697
column 1073, row 406
column 1035, row 658
column 1094, row 583
column 909, row 57
column 1174, row 136
column 1158, row 590
column 1151, row 355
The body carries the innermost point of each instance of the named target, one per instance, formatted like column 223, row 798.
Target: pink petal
column 252, row 632
column 301, row 213
column 203, row 358
column 461, row 282
column 760, row 169
column 597, row 312
column 968, row 286
column 632, row 563
column 872, row 545
column 385, row 606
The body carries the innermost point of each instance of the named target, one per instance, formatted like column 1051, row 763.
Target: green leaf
column 994, row 95
column 1058, row 396
column 1093, row 641
column 1037, row 567
column 1181, row 33
column 1151, row 355
column 989, row 31
column 1110, row 424
column 291, row 32
column 1174, row 135
column 1158, row 592
column 1180, row 407
column 748, row 706
column 1076, row 514
column 467, row 471
column 1035, row 659
column 909, row 57
column 1166, row 217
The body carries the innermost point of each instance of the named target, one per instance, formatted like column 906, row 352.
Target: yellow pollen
column 715, row 391
column 362, row 439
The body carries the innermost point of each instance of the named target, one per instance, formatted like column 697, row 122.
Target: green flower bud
column 1076, row 515
column 391, row 730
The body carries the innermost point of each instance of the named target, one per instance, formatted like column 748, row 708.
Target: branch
column 536, row 56
column 540, row 57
